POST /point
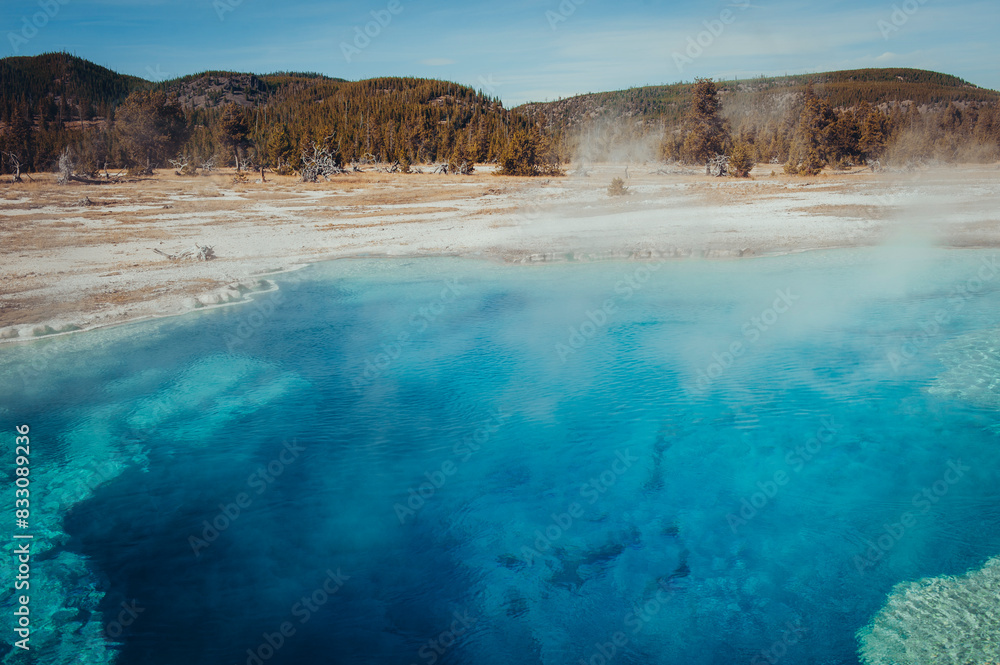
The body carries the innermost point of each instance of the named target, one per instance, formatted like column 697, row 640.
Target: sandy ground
column 78, row 257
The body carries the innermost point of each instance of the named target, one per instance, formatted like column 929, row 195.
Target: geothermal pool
column 451, row 461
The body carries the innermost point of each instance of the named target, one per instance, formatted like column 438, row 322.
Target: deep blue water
column 542, row 458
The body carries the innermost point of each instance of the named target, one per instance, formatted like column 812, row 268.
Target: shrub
column 741, row 160
column 617, row 188
column 519, row 156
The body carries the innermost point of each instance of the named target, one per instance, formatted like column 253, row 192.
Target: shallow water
column 450, row 461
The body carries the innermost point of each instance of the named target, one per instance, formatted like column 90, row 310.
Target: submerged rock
column 973, row 373
column 952, row 620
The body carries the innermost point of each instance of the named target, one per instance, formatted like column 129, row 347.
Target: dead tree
column 201, row 253
column 717, row 166
column 441, row 168
column 66, row 173
column 246, row 163
column 66, row 166
column 208, row 165
column 322, row 162
column 15, row 163
column 183, row 165
column 116, row 177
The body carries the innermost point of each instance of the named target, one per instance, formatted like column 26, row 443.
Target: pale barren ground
column 67, row 265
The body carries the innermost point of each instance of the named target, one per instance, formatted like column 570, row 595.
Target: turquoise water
column 450, row 461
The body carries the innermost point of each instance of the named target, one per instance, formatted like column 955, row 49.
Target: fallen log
column 97, row 181
column 201, row 253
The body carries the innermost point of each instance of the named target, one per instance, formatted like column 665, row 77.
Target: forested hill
column 57, row 101
column 59, row 84
column 52, row 101
column 667, row 104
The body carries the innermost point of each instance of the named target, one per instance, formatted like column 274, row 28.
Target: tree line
column 57, row 102
column 395, row 120
column 812, row 134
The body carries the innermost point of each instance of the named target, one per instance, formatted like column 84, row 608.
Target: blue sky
column 516, row 50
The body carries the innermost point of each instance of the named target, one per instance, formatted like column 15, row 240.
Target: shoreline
column 77, row 264
column 251, row 296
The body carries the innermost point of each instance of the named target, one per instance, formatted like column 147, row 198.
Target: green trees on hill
column 67, row 102
column 51, row 102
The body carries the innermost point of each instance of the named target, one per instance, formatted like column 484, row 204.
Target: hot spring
column 445, row 460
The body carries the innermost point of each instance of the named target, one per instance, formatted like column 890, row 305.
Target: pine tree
column 234, row 131
column 20, row 139
column 706, row 133
column 741, row 159
column 279, row 149
column 151, row 127
column 874, row 132
column 810, row 149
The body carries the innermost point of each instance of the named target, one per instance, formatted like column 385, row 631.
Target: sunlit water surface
column 544, row 462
